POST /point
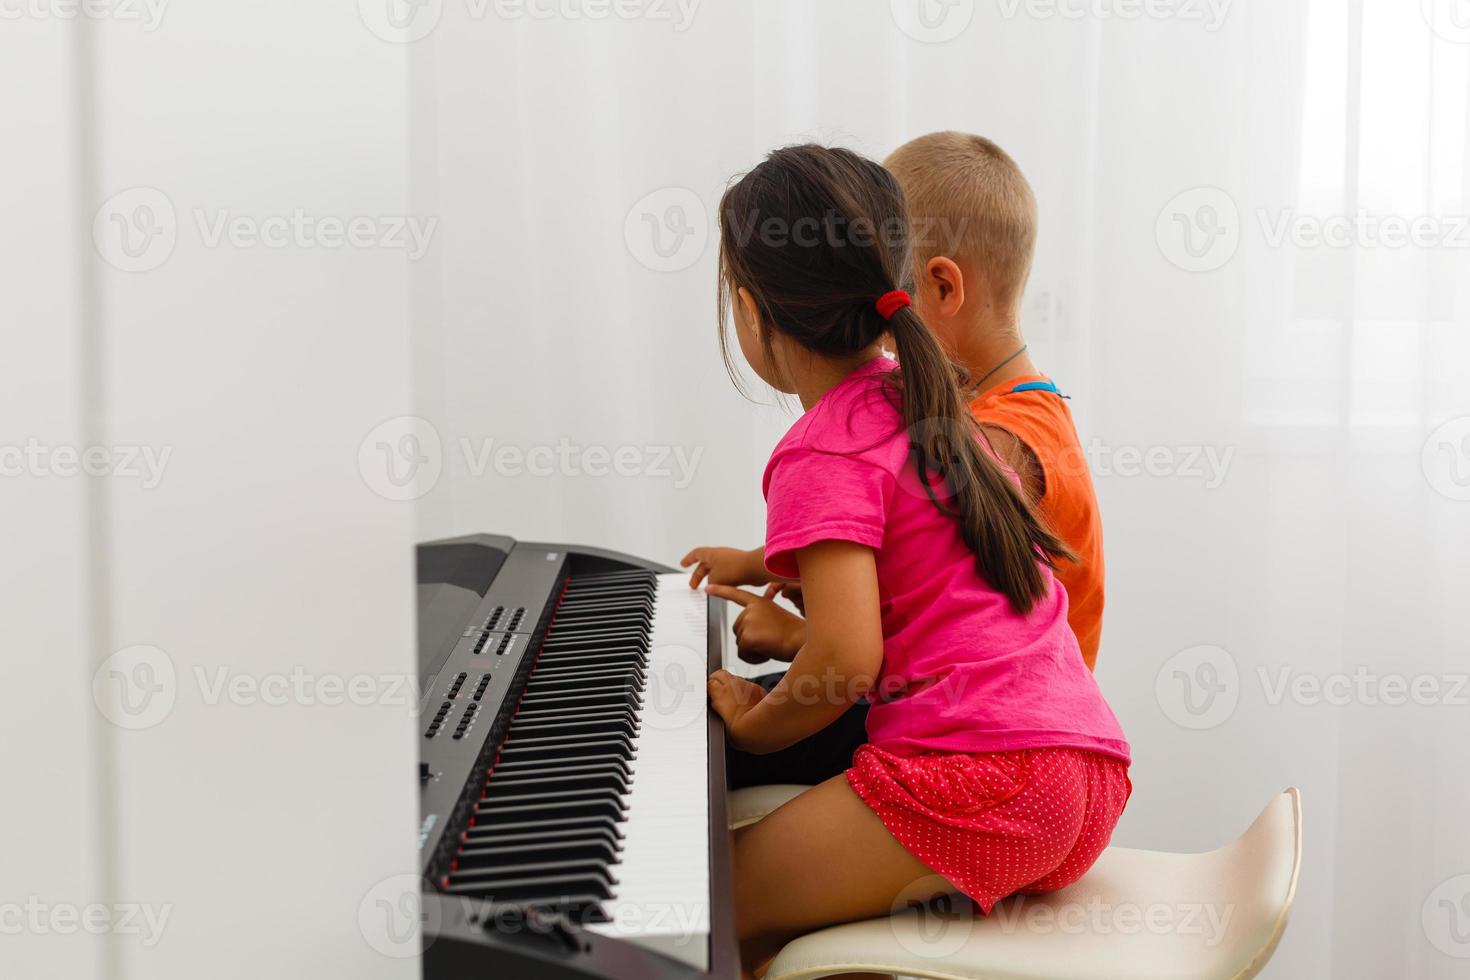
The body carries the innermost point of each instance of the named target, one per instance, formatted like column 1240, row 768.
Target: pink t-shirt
column 985, row 678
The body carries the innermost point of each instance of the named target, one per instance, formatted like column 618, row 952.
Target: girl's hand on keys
column 724, row 566
column 763, row 630
column 732, row 698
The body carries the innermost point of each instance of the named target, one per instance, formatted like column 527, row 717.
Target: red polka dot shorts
column 997, row 823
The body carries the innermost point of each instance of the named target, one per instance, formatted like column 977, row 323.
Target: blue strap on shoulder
column 1037, row 386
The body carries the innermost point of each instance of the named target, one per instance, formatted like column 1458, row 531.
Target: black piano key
column 622, row 695
column 490, row 877
column 624, row 606
column 591, row 762
column 607, row 779
column 567, row 750
column 631, row 664
column 504, row 814
column 594, row 659
column 496, row 837
column 598, row 638
column 580, row 727
column 510, row 857
column 533, row 889
column 606, row 688
column 584, row 823
column 517, row 743
column 495, row 800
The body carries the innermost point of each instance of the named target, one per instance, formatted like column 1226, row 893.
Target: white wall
column 250, row 822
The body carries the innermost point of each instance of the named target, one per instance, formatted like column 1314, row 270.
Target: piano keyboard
column 596, row 802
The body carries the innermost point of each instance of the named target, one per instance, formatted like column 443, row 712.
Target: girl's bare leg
column 821, row 859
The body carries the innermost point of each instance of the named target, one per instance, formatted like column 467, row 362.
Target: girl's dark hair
column 817, row 234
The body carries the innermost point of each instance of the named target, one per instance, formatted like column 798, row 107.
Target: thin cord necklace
column 977, row 385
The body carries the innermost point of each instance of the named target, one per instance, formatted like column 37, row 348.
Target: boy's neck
column 986, row 346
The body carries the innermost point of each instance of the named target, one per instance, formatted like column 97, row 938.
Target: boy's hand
column 763, row 630
column 732, row 698
column 725, row 566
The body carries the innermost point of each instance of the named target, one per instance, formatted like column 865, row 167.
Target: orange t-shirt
column 1040, row 419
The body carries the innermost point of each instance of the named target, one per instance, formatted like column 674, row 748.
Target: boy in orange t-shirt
column 974, row 234
column 973, row 220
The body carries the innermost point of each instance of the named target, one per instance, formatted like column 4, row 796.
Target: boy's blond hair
column 968, row 200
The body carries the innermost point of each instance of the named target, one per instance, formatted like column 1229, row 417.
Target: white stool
column 1136, row 915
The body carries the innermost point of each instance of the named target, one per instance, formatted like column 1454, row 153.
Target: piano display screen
column 452, row 579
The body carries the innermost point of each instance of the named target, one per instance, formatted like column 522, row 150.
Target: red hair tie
column 891, row 302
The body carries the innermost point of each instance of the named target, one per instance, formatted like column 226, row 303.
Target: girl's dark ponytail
column 996, row 522
column 819, row 289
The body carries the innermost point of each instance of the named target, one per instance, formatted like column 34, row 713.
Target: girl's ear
column 748, row 310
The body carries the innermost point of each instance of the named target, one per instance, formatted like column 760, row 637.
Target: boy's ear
column 943, row 276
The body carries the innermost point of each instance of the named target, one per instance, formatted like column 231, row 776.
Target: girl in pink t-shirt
column 993, row 764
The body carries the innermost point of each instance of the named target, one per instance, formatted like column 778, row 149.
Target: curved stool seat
column 1136, row 915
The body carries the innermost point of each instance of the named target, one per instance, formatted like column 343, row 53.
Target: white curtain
column 1278, row 422
column 207, row 610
